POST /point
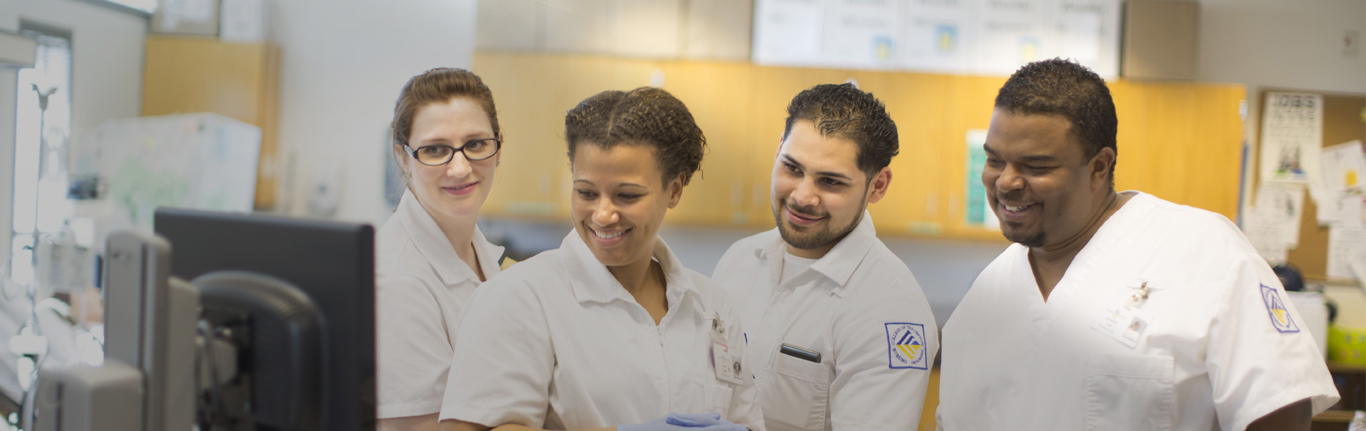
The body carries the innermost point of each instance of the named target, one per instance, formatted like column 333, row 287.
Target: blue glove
column 694, row 420
column 686, row 422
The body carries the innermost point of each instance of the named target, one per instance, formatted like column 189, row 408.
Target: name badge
column 726, row 364
column 1124, row 324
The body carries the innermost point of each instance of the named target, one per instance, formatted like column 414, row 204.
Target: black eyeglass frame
column 412, row 152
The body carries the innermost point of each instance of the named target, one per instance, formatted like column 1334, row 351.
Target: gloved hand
column 686, row 422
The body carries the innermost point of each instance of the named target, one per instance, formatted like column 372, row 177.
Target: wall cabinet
column 1179, row 141
column 184, row 74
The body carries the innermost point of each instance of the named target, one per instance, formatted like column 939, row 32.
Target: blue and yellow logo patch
column 906, row 346
column 1280, row 316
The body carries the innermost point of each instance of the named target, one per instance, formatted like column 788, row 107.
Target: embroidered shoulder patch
column 906, row 346
column 1280, row 316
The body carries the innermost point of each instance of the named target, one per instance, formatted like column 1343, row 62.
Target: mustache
column 1015, row 195
column 808, row 211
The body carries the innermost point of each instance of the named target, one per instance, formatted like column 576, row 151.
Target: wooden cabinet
column 184, row 74
column 1179, row 141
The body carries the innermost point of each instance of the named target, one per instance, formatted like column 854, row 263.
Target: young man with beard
column 840, row 335
column 1114, row 311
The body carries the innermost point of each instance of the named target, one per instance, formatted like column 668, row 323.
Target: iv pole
column 30, row 344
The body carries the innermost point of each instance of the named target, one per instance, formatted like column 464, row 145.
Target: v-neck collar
column 1098, row 250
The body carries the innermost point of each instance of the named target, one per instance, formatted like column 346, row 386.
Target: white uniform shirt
column 859, row 307
column 421, row 286
column 556, row 342
column 1216, row 345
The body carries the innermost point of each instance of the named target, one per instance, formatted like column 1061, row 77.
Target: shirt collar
column 592, row 282
column 838, row 264
column 437, row 248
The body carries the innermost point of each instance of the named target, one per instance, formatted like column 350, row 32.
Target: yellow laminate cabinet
column 238, row 80
column 1179, row 141
column 917, row 103
column 717, row 95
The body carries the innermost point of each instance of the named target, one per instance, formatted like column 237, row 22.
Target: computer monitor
column 332, row 264
column 150, row 326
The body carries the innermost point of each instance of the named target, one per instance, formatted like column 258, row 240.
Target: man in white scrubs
column 840, row 334
column 1113, row 310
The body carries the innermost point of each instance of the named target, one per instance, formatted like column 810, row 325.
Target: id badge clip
column 1125, row 323
column 725, row 362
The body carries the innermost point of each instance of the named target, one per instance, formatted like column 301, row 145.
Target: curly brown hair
column 438, row 85
column 643, row 116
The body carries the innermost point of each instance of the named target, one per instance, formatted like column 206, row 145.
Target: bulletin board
column 1344, row 119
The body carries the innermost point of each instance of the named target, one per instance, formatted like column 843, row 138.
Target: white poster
column 1343, row 165
column 1345, row 243
column 1292, row 134
column 1280, row 206
column 787, row 31
column 934, row 35
column 201, row 161
column 861, row 33
column 985, row 37
column 1086, row 31
column 1008, row 34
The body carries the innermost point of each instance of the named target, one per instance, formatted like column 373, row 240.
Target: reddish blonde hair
column 439, row 86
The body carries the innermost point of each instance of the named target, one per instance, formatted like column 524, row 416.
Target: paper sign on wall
column 1292, row 132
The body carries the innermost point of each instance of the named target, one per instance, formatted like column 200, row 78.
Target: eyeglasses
column 437, row 155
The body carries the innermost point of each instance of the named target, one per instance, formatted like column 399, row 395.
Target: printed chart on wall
column 990, row 37
column 1292, row 127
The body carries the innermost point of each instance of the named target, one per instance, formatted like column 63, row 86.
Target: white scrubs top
column 859, row 307
column 1214, row 346
column 556, row 342
column 421, row 286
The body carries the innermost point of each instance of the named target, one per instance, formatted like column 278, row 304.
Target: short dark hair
column 1063, row 87
column 844, row 111
column 644, row 116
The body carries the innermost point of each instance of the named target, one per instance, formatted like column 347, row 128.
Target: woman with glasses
column 430, row 256
column 609, row 330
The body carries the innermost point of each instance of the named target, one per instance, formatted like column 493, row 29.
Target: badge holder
column 725, row 362
column 1124, row 323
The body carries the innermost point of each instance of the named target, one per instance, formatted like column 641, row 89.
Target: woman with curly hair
column 609, row 330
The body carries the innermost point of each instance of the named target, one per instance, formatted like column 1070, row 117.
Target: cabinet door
column 918, row 103
column 1181, row 142
column 717, row 95
column 239, row 80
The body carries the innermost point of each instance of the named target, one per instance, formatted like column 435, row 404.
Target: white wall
column 106, row 77
column 1282, row 43
column 342, row 65
column 107, row 49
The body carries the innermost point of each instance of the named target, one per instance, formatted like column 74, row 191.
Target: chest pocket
column 1129, row 392
column 798, row 394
